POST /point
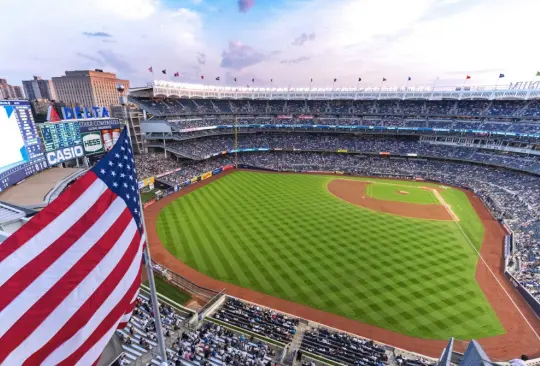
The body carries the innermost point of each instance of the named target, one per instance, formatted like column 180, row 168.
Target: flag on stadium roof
column 235, row 80
column 70, row 276
column 176, row 74
column 501, row 76
column 409, row 78
column 253, row 80
column 538, row 73
column 202, row 77
column 311, row 80
column 359, row 79
column 335, row 80
column 383, row 79
column 467, row 77
column 217, row 79
column 164, row 71
column 271, row 80
column 150, row 69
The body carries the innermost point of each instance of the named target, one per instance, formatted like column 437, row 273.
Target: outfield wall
column 533, row 303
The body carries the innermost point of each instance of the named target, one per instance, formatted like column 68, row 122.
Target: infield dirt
column 519, row 338
column 354, row 191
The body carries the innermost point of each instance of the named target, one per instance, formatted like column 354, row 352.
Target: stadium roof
column 34, row 190
column 163, row 88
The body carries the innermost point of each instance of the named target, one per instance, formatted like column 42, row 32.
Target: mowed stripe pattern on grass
column 287, row 236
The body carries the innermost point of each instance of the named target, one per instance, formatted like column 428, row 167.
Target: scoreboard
column 20, row 146
column 61, row 135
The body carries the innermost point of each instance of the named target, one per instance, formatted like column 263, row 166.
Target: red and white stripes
column 69, row 278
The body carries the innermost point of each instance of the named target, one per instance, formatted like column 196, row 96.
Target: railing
column 183, row 283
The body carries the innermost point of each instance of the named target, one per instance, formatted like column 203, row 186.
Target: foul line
column 499, row 282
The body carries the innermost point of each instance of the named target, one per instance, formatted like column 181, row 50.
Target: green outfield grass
column 287, row 236
column 389, row 191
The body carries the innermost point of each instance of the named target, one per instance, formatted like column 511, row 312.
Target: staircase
column 294, row 346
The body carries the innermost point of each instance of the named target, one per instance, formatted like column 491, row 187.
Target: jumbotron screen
column 20, row 146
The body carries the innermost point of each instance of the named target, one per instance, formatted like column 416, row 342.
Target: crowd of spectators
column 465, row 108
column 263, row 321
column 149, row 165
column 383, row 121
column 139, row 337
column 213, row 344
column 343, row 348
column 208, row 146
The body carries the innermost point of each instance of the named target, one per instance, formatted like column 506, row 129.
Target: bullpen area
column 398, row 255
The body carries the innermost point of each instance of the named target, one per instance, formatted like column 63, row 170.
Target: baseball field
column 395, row 254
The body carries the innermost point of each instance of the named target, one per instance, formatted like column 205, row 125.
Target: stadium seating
column 343, row 348
column 139, row 337
column 259, row 320
column 205, row 147
column 213, row 344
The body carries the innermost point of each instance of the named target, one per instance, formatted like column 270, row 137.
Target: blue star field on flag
column 117, row 170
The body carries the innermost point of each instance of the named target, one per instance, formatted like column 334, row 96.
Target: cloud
column 303, row 38
column 240, row 56
column 201, row 58
column 96, row 34
column 108, row 41
column 95, row 60
column 296, row 60
column 245, row 5
column 107, row 59
column 115, row 61
column 172, row 37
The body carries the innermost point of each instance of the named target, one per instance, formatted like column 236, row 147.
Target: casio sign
column 69, row 153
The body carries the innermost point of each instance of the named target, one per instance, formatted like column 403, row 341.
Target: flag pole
column 151, row 283
column 434, row 83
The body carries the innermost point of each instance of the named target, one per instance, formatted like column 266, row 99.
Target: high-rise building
column 10, row 91
column 88, row 88
column 39, row 89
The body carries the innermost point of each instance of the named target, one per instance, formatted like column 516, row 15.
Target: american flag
column 70, row 276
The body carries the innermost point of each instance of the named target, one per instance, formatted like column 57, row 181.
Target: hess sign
column 59, row 156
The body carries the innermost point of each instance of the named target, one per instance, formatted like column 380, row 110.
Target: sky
column 287, row 41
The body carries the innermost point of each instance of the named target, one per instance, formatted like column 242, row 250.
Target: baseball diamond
column 354, row 247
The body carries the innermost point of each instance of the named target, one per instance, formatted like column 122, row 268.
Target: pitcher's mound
column 403, row 192
column 354, row 191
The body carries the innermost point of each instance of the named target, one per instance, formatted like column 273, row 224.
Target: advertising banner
column 92, row 125
column 228, row 167
column 59, row 156
column 146, row 182
column 92, row 143
column 169, row 172
column 206, row 175
column 149, row 203
column 343, row 151
column 194, row 180
column 217, row 171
